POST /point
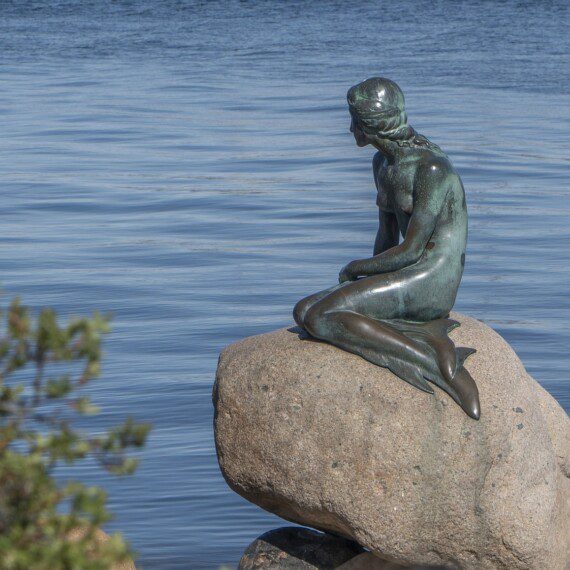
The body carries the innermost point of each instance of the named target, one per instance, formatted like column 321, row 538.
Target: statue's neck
column 390, row 148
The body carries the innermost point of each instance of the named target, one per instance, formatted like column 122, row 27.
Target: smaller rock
column 298, row 548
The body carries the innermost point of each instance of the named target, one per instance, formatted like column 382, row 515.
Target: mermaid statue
column 393, row 308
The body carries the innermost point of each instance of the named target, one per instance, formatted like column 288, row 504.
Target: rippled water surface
column 188, row 167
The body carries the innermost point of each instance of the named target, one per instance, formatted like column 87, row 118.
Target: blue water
column 188, row 167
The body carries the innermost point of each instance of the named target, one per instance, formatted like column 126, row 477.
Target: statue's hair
column 378, row 106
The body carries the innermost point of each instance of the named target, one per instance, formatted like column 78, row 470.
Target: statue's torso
column 395, row 185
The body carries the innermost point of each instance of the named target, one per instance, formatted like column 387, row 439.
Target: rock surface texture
column 323, row 438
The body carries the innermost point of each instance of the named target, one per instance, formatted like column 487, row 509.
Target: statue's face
column 360, row 136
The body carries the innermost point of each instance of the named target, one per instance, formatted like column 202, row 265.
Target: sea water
column 188, row 167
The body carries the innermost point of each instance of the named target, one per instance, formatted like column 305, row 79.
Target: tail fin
column 441, row 327
column 463, row 353
column 449, row 374
column 410, row 373
column 433, row 335
column 437, row 328
column 468, row 393
column 440, row 382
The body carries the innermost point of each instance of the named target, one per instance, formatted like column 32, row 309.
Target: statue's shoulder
column 436, row 161
column 435, row 165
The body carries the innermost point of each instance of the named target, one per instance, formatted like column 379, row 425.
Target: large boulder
column 325, row 439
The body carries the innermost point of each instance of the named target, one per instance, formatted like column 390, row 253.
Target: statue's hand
column 347, row 273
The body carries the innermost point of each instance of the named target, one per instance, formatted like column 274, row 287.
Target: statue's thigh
column 378, row 296
column 420, row 295
column 371, row 296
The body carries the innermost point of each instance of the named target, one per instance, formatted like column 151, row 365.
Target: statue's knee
column 299, row 312
column 313, row 321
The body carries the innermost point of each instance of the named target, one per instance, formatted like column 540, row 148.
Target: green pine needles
column 44, row 367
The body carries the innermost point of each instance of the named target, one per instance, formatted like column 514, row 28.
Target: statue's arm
column 388, row 231
column 430, row 189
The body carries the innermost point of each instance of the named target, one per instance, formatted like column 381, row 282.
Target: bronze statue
column 392, row 309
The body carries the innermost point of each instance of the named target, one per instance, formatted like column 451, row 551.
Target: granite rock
column 325, row 439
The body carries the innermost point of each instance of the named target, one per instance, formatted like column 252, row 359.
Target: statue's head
column 377, row 109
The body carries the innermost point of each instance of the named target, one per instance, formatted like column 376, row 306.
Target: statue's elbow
column 412, row 255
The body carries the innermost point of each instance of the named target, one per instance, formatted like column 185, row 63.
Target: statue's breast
column 394, row 188
column 404, row 200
